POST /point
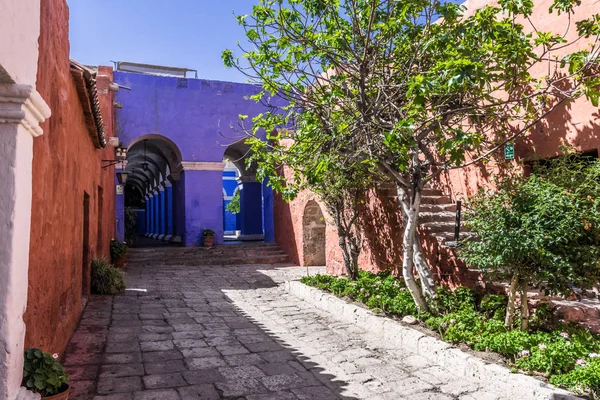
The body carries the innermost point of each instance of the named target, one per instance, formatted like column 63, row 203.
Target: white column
column 21, row 111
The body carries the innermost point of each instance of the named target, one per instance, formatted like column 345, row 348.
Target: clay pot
column 60, row 396
column 120, row 262
column 207, row 241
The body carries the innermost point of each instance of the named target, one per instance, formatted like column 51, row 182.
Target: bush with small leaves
column 584, row 378
column 107, row 279
column 43, row 373
column 117, row 249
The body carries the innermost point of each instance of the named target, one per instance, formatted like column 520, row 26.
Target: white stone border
column 506, row 384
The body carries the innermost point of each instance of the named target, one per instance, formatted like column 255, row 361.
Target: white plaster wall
column 19, row 32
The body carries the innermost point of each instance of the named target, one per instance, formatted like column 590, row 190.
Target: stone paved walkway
column 231, row 332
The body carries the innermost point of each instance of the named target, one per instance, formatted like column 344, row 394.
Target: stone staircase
column 230, row 254
column 437, row 216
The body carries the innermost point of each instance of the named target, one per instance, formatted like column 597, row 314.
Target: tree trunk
column 349, row 255
column 410, row 230
column 524, row 308
column 510, row 308
column 423, row 269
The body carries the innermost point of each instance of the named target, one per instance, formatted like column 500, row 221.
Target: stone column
column 250, row 209
column 22, row 109
column 162, row 216
column 169, row 210
column 203, row 192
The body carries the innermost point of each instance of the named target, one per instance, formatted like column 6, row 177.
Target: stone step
column 439, row 226
column 437, row 207
column 436, row 200
column 437, row 216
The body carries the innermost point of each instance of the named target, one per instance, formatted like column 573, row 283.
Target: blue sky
column 180, row 33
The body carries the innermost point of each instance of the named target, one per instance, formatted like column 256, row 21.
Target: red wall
column 576, row 124
column 65, row 166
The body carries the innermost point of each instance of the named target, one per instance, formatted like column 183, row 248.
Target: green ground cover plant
column 106, row 278
column 566, row 354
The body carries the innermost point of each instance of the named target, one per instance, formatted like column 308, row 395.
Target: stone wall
column 66, row 169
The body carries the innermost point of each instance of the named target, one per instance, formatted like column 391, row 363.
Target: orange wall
column 576, row 124
column 65, row 166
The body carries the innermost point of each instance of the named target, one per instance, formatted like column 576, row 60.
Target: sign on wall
column 119, row 189
column 509, row 151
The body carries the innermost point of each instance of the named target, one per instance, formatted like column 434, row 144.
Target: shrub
column 117, row 249
column 584, row 378
column 208, row 232
column 493, row 306
column 43, row 373
column 542, row 230
column 106, row 279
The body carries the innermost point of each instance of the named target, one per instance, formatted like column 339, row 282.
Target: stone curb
column 505, row 383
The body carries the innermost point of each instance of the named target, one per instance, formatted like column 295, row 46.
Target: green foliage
column 43, row 373
column 234, row 205
column 106, row 279
column 567, row 354
column 493, row 306
column 397, row 87
column 585, row 378
column 378, row 291
column 117, row 249
column 543, row 229
column 208, row 232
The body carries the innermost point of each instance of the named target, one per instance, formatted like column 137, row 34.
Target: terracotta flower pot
column 60, row 396
column 120, row 262
column 208, row 241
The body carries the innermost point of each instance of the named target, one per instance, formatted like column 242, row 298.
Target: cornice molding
column 202, row 166
column 23, row 105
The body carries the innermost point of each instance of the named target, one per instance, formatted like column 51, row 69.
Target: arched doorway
column 313, row 232
column 231, row 192
column 151, row 191
column 250, row 220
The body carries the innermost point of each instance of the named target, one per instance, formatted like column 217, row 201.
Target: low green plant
column 43, row 373
column 208, row 232
column 584, row 378
column 561, row 353
column 106, row 279
column 117, row 249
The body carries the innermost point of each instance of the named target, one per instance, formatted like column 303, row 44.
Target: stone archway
column 313, row 232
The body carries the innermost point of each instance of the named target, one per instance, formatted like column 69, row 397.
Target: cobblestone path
column 213, row 332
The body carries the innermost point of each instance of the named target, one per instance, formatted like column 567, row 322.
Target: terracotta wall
column 66, row 166
column 576, row 124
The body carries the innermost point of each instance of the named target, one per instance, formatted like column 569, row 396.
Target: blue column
column 162, row 224
column 169, row 210
column 151, row 212
column 251, row 209
column 156, row 213
column 268, row 212
column 147, row 209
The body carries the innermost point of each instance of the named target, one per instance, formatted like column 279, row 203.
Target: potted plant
column 118, row 251
column 208, row 237
column 43, row 374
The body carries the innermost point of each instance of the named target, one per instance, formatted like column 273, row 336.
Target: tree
column 542, row 230
column 234, row 206
column 339, row 181
column 411, row 87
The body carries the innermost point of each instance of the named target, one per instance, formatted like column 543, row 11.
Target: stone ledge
column 462, row 364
